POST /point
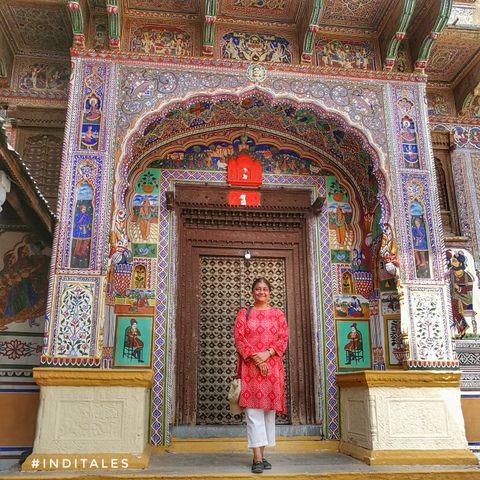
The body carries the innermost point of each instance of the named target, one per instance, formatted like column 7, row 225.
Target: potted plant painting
column 147, row 182
column 336, row 191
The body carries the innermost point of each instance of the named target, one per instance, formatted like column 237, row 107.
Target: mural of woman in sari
column 144, row 217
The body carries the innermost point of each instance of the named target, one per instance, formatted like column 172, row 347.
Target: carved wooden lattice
column 225, row 286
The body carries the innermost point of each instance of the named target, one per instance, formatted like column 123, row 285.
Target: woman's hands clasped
column 260, row 359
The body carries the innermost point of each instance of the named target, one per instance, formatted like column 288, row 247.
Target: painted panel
column 133, row 342
column 464, row 293
column 256, row 47
column 161, row 40
column 345, row 53
column 42, row 77
column 353, row 344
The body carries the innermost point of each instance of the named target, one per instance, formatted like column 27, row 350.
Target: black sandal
column 266, row 464
column 257, row 467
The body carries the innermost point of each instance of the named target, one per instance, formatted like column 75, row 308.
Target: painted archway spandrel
column 143, row 90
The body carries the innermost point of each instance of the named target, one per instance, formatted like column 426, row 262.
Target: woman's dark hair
column 261, row 280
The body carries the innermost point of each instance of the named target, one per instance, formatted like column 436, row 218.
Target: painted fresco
column 420, row 240
column 394, row 342
column 329, row 136
column 351, row 306
column 345, row 54
column 24, row 270
column 82, row 227
column 353, row 344
column 133, row 342
column 438, row 104
column 43, row 77
column 390, row 303
column 91, row 118
column 215, row 156
column 340, row 215
column 409, row 143
column 256, row 47
column 23, row 284
column 144, row 221
column 161, row 40
column 92, row 108
column 465, row 294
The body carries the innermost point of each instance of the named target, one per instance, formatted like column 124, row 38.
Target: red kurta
column 264, row 329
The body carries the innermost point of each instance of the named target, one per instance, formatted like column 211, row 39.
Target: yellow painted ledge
column 238, row 445
column 401, row 378
column 409, row 457
column 63, row 462
column 93, row 377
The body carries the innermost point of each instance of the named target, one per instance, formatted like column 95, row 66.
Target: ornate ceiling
column 36, row 28
column 324, row 33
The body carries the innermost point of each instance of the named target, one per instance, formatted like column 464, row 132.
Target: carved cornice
column 223, row 65
column 241, row 218
column 409, row 379
column 92, row 377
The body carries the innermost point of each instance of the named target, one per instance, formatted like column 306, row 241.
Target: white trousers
column 260, row 427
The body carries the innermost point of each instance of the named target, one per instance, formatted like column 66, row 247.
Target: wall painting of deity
column 256, row 47
column 351, row 307
column 345, row 54
column 133, row 341
column 161, row 40
column 409, row 143
column 144, row 220
column 420, row 240
column 82, row 227
column 393, row 341
column 353, row 344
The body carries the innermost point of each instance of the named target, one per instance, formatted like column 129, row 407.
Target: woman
column 261, row 340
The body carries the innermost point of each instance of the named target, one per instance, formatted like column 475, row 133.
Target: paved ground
column 237, row 465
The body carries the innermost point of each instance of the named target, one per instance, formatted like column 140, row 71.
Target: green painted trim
column 113, row 20
column 209, row 28
column 440, row 23
column 404, row 22
column 77, row 18
column 309, row 39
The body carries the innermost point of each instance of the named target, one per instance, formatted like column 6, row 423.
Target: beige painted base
column 403, row 417
column 90, row 417
column 409, row 457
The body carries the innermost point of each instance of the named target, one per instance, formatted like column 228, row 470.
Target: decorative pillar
column 413, row 416
column 90, row 402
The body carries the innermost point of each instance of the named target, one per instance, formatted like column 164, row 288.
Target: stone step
column 323, row 465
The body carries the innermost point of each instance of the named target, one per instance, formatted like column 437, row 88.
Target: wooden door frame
column 206, row 230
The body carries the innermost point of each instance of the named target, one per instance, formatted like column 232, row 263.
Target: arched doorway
column 301, row 149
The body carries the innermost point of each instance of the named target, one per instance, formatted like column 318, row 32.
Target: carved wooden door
column 225, row 286
column 214, row 280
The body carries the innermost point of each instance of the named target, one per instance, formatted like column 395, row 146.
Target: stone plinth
column 403, row 417
column 90, row 417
